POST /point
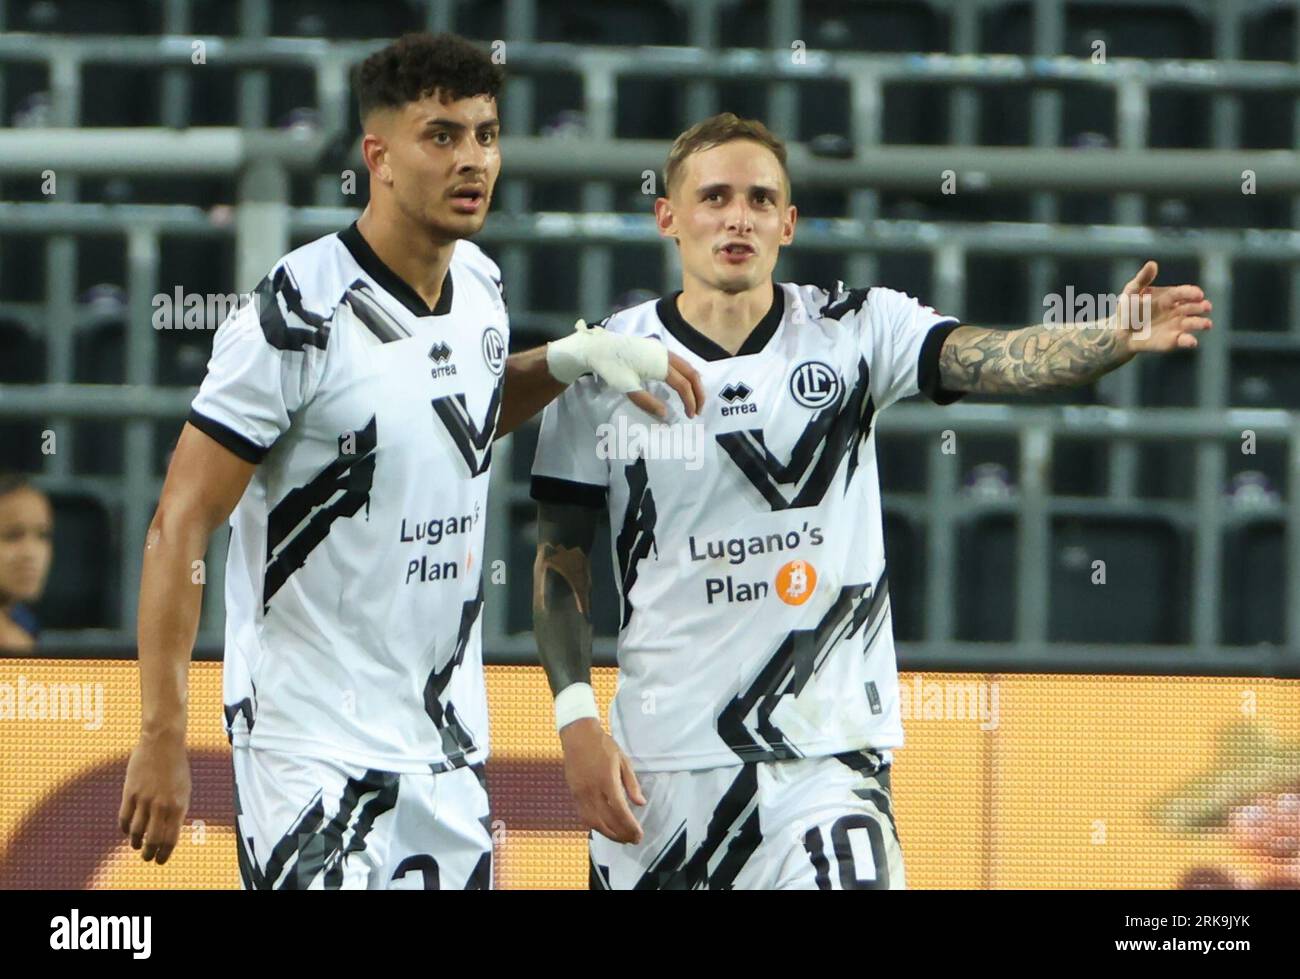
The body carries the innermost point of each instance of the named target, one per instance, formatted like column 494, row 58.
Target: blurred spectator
column 1251, row 794
column 26, row 547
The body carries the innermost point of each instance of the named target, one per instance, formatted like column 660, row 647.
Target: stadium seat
column 986, row 586
column 1166, row 470
column 100, row 354
column 1145, row 595
column 1079, row 467
column 339, row 19
column 553, row 279
column 1264, row 379
column 1254, row 583
column 1260, row 297
column 1168, row 381
column 24, row 357
column 117, row 95
column 1264, row 470
column 86, row 17
column 975, row 450
column 648, row 21
column 20, row 445
column 901, row 464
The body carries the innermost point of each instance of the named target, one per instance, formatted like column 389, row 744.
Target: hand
column 1160, row 318
column 155, row 795
column 601, row 780
column 626, row 364
column 682, row 378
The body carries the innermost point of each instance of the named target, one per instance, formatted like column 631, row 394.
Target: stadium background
column 156, row 145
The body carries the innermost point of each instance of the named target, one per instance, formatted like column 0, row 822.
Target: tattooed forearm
column 1033, row 359
column 562, row 592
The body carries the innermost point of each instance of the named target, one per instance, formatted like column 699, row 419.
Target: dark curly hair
column 416, row 65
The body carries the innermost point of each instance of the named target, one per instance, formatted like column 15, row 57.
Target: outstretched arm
column 1042, row 357
column 537, row 377
column 598, row 773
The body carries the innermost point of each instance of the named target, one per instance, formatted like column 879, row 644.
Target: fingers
column 630, row 784
column 620, row 818
column 678, row 382
column 604, row 808
column 594, row 821
column 610, row 816
column 647, row 402
column 139, row 823
column 682, row 378
column 603, row 802
column 691, row 375
column 125, row 812
column 1192, row 308
column 1145, row 276
column 164, row 829
column 618, row 375
column 1183, row 294
column 1186, row 341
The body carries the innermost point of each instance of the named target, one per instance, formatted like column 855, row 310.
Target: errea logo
column 440, row 354
column 737, row 398
column 815, row 384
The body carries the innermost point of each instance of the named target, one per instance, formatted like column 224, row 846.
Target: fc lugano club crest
column 815, row 384
column 494, row 350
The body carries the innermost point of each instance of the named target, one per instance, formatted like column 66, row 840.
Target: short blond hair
column 716, row 130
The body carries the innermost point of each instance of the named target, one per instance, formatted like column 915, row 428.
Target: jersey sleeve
column 568, row 467
column 265, row 364
column 901, row 339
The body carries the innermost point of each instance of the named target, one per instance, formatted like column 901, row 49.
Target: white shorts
column 809, row 823
column 304, row 823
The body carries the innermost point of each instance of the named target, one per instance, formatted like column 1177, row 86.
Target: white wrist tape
column 573, row 703
column 624, row 363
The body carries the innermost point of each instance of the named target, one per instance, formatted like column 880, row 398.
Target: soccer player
column 347, row 420
column 757, row 701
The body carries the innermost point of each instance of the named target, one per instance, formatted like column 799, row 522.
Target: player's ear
column 374, row 150
column 787, row 226
column 664, row 218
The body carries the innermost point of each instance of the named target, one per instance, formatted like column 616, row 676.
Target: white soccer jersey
column 755, row 607
column 353, row 584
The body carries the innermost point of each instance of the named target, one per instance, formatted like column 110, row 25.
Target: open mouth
column 737, row 251
column 468, row 198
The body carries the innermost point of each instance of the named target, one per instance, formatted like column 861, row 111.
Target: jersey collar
column 696, row 342
column 390, row 281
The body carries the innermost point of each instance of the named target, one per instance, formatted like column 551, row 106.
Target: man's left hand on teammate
column 1161, row 318
column 626, row 364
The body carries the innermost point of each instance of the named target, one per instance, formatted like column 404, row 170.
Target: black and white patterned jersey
column 353, row 586
column 747, row 542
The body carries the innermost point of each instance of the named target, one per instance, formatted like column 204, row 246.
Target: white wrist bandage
column 624, row 363
column 573, row 703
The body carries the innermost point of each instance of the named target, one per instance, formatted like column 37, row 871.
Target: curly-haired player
column 345, row 428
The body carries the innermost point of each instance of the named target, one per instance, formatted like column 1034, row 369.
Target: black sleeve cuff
column 228, row 438
column 927, row 366
column 548, row 489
